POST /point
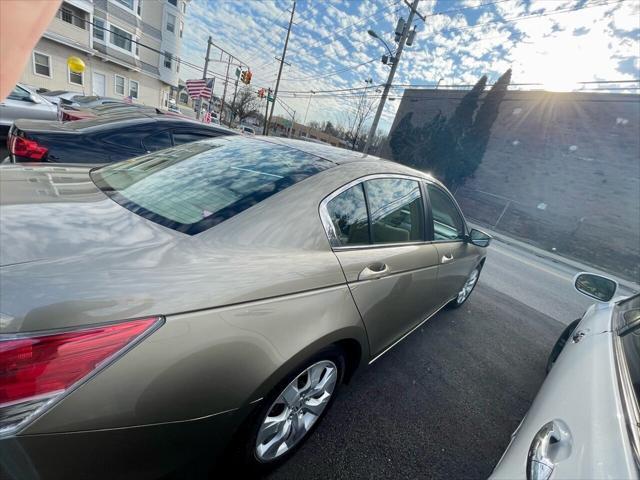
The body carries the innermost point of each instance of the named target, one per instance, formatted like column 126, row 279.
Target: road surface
column 443, row 403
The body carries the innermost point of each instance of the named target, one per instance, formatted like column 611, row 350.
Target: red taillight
column 22, row 147
column 34, row 370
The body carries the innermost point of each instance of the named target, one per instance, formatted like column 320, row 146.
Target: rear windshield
column 198, row 185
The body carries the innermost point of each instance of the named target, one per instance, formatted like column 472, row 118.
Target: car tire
column 560, row 343
column 257, row 458
column 465, row 292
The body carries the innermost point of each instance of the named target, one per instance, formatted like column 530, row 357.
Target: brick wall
column 562, row 170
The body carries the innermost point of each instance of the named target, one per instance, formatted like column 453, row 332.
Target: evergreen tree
column 462, row 118
column 403, row 141
column 476, row 141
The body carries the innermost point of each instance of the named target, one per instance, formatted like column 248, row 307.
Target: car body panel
column 147, row 452
column 206, row 362
column 393, row 304
column 582, row 391
column 453, row 273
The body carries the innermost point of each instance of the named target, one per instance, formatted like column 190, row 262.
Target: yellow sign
column 76, row 65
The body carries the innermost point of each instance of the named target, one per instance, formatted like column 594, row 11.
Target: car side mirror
column 34, row 99
column 479, row 238
column 595, row 286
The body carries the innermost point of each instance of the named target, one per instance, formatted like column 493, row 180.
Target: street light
column 375, row 35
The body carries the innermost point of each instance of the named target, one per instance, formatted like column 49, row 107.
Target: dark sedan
column 104, row 139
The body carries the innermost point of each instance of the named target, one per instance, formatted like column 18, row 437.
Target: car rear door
column 377, row 230
column 456, row 256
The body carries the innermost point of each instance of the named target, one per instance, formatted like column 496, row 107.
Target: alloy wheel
column 468, row 286
column 295, row 410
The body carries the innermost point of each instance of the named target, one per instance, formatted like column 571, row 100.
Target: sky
column 549, row 44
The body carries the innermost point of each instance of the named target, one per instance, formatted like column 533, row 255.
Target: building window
column 118, row 85
column 133, row 89
column 42, row 64
column 76, row 78
column 70, row 14
column 126, row 3
column 183, row 97
column 174, row 2
column 181, row 27
column 184, row 7
column 167, row 60
column 171, row 22
column 139, row 7
column 98, row 29
column 120, row 38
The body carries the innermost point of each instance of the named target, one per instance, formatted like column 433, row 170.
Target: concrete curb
column 554, row 257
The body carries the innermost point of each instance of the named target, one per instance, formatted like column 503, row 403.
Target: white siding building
column 103, row 33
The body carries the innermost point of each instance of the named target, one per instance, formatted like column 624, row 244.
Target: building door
column 99, row 84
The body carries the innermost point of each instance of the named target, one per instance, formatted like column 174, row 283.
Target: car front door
column 377, row 231
column 456, row 256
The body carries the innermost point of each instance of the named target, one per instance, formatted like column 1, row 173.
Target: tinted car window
column 127, row 139
column 187, row 137
column 447, row 222
column 196, row 186
column 348, row 212
column 395, row 209
column 157, row 141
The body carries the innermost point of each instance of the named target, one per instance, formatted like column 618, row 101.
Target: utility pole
column 396, row 60
column 204, row 77
column 224, row 92
column 307, row 111
column 266, row 112
column 284, row 53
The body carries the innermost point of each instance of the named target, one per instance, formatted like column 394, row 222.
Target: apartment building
column 111, row 37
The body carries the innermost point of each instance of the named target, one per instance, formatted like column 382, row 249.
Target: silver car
column 24, row 102
column 584, row 421
column 208, row 298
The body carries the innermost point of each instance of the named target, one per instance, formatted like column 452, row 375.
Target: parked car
column 247, row 130
column 209, row 298
column 584, row 420
column 24, row 102
column 104, row 139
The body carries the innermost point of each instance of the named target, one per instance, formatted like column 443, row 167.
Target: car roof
column 336, row 155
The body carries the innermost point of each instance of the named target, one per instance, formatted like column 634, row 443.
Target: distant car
column 584, row 420
column 24, row 102
column 105, row 139
column 247, row 130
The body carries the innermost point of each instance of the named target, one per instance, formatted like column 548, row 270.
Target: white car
column 246, row 130
column 584, row 420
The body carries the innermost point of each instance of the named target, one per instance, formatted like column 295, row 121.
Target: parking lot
column 444, row 402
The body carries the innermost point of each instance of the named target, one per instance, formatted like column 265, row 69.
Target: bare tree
column 356, row 116
column 246, row 103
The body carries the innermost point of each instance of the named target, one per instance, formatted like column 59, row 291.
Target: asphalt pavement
column 444, row 402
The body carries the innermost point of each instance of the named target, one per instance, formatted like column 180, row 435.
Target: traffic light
column 243, row 77
column 261, row 93
column 247, row 77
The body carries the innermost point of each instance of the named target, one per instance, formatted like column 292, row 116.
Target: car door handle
column 446, row 258
column 375, row 270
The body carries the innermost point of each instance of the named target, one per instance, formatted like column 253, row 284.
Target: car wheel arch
column 351, row 340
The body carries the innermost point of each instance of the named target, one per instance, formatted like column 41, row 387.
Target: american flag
column 198, row 88
column 129, row 99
